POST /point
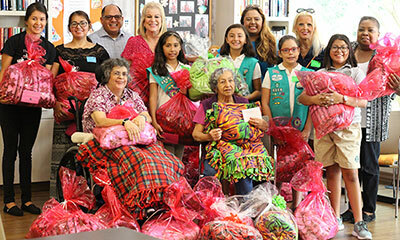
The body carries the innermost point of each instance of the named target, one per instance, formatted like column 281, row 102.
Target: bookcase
column 275, row 11
column 12, row 13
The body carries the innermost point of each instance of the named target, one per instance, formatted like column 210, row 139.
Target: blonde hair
column 266, row 44
column 316, row 43
column 152, row 5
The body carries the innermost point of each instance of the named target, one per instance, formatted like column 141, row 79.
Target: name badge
column 91, row 59
column 315, row 63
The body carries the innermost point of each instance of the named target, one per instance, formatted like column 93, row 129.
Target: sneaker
column 347, row 216
column 361, row 231
column 340, row 224
column 368, row 218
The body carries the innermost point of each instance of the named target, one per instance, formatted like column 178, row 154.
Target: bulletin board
column 184, row 17
column 59, row 27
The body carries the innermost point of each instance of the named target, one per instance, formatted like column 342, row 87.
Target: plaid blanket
column 139, row 174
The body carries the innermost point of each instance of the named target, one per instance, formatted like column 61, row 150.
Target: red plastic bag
column 73, row 83
column 294, row 151
column 314, row 215
column 208, row 190
column 177, row 223
column 191, row 161
column 176, row 117
column 28, row 82
column 182, row 78
column 66, row 217
column 113, row 214
column 335, row 117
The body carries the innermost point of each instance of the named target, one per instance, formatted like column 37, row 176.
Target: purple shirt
column 103, row 100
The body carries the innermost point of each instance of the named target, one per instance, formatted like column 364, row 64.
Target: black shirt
column 86, row 59
column 16, row 48
column 306, row 61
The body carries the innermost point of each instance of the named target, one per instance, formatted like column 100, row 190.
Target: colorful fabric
column 240, row 153
column 139, row 174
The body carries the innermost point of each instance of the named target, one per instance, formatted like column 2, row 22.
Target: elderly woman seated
column 234, row 151
column 138, row 173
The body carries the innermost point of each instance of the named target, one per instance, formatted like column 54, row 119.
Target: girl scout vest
column 279, row 102
column 246, row 70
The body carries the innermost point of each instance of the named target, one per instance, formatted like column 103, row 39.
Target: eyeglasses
column 287, row 50
column 342, row 48
column 116, row 17
column 309, row 10
column 83, row 24
column 118, row 74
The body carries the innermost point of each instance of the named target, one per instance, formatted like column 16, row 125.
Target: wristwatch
column 345, row 99
column 124, row 121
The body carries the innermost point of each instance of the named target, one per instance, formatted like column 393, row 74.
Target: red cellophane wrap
column 178, row 222
column 72, row 83
column 385, row 62
column 176, row 115
column 230, row 223
column 293, row 152
column 113, row 214
column 315, row 216
column 335, row 117
column 66, row 217
column 191, row 160
column 116, row 136
column 28, row 82
column 140, row 83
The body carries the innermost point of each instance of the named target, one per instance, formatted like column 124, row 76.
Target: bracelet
column 145, row 118
column 124, row 121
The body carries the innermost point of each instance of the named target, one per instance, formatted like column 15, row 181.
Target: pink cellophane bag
column 66, row 217
column 314, row 215
column 116, row 136
column 112, row 213
column 335, row 117
column 385, row 62
column 293, row 152
column 73, row 83
column 177, row 223
column 28, row 82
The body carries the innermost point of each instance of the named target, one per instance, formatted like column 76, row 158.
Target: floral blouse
column 103, row 100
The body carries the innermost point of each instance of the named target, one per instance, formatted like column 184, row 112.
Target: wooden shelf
column 12, row 13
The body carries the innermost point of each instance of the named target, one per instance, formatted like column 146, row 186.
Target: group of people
column 265, row 66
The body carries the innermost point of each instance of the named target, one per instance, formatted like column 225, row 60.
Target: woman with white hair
column 305, row 27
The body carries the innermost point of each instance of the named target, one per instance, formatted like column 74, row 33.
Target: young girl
column 279, row 98
column 339, row 151
column 168, row 58
column 237, row 46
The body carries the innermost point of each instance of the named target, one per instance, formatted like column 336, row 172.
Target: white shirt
column 162, row 96
column 364, row 68
column 267, row 82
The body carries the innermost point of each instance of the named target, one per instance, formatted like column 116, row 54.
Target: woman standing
column 85, row 55
column 20, row 124
column 305, row 28
column 264, row 42
column 374, row 122
column 139, row 50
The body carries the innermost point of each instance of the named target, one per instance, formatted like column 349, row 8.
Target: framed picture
column 189, row 16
